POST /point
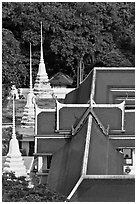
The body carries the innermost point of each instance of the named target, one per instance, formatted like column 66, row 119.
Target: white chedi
column 14, row 161
column 42, row 88
column 29, row 110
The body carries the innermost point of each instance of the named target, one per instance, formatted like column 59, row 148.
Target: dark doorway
column 31, row 148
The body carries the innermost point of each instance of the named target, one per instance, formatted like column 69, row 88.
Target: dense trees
column 100, row 34
column 18, row 190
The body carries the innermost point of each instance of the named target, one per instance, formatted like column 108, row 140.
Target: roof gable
column 61, row 79
column 76, row 155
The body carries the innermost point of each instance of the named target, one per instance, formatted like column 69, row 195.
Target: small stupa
column 29, row 111
column 42, row 88
column 14, row 161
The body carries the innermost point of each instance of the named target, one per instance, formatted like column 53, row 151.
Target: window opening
column 49, row 158
column 46, row 163
column 129, row 107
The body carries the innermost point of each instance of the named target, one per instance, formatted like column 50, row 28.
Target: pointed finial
column 41, row 59
column 13, row 127
column 30, row 70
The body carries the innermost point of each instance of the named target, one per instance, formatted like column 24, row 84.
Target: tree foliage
column 18, row 190
column 99, row 33
column 14, row 70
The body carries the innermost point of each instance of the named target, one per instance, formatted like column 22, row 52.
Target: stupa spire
column 42, row 69
column 31, row 89
column 28, row 114
column 42, row 86
column 41, row 57
column 14, row 162
column 13, row 120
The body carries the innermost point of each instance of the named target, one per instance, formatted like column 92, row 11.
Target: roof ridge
column 83, row 120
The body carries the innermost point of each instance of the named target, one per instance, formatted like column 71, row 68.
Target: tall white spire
column 13, row 120
column 30, row 71
column 42, row 74
column 14, row 162
column 28, row 114
column 41, row 57
column 42, row 86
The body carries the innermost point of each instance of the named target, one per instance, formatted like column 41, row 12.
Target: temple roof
column 60, row 79
column 105, row 85
column 100, row 122
column 86, row 153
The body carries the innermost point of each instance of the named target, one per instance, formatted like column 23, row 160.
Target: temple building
column 83, row 138
column 61, row 85
column 86, row 145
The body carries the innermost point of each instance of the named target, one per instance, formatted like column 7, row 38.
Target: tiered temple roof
column 86, row 135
